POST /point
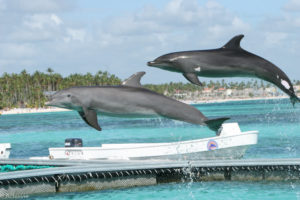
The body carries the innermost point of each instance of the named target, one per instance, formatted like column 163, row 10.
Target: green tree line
column 171, row 88
column 27, row 90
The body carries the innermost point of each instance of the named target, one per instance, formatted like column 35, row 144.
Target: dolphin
column 127, row 100
column 228, row 61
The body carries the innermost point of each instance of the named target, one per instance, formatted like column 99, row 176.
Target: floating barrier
column 74, row 176
column 8, row 168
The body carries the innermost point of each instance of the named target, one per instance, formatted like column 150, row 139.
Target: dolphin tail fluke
column 215, row 124
column 294, row 99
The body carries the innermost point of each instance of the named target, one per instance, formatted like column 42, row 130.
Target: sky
column 80, row 36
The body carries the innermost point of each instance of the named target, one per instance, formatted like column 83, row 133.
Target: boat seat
column 230, row 129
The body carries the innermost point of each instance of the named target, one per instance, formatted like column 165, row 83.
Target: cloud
column 32, row 28
column 56, row 19
column 37, row 6
column 40, row 21
column 121, row 44
column 75, row 34
column 275, row 38
column 239, row 24
column 282, row 31
column 180, row 19
column 292, row 5
column 2, row 5
column 16, row 51
column 38, row 35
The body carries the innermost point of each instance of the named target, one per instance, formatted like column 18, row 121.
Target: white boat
column 230, row 143
column 5, row 150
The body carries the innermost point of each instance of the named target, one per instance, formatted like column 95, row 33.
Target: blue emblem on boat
column 212, row 145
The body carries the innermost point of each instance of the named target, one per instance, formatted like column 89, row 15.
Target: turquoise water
column 277, row 121
column 8, row 168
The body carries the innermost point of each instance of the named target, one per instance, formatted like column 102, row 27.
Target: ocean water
column 276, row 120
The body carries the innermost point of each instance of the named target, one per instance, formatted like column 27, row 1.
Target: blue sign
column 212, row 145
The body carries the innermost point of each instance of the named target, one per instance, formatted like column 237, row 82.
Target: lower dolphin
column 127, row 100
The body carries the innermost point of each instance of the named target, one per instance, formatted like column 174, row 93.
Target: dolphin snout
column 50, row 99
column 151, row 63
column 53, row 103
column 50, row 102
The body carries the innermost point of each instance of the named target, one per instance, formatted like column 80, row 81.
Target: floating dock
column 78, row 176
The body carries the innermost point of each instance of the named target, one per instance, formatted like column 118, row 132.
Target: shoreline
column 32, row 110
column 53, row 109
column 230, row 100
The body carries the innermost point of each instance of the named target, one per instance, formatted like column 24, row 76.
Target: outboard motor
column 73, row 142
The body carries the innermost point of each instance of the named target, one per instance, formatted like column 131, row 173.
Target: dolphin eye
column 68, row 95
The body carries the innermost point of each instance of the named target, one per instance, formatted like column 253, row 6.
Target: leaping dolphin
column 228, row 61
column 127, row 100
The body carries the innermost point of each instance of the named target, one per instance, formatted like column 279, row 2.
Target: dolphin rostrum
column 228, row 61
column 127, row 100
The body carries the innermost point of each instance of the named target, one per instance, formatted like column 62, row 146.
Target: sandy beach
column 228, row 100
column 32, row 110
column 53, row 109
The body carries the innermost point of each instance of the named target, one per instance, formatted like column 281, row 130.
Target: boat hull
column 5, row 150
column 219, row 154
column 220, row 147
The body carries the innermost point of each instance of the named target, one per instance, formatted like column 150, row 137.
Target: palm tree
column 49, row 70
column 26, row 89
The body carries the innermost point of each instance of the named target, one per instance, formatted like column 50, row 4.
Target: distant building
column 271, row 91
column 297, row 88
column 228, row 92
column 207, row 92
column 180, row 94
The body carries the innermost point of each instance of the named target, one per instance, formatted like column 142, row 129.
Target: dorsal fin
column 134, row 80
column 234, row 43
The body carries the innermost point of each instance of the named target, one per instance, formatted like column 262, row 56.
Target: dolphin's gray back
column 227, row 63
column 135, row 101
column 222, row 63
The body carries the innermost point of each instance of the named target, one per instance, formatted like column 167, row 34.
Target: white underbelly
column 137, row 112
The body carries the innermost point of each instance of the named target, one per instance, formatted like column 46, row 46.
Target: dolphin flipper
column 215, row 124
column 193, row 78
column 90, row 117
column 134, row 80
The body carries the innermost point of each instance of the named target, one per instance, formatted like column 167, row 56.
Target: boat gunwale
column 154, row 144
